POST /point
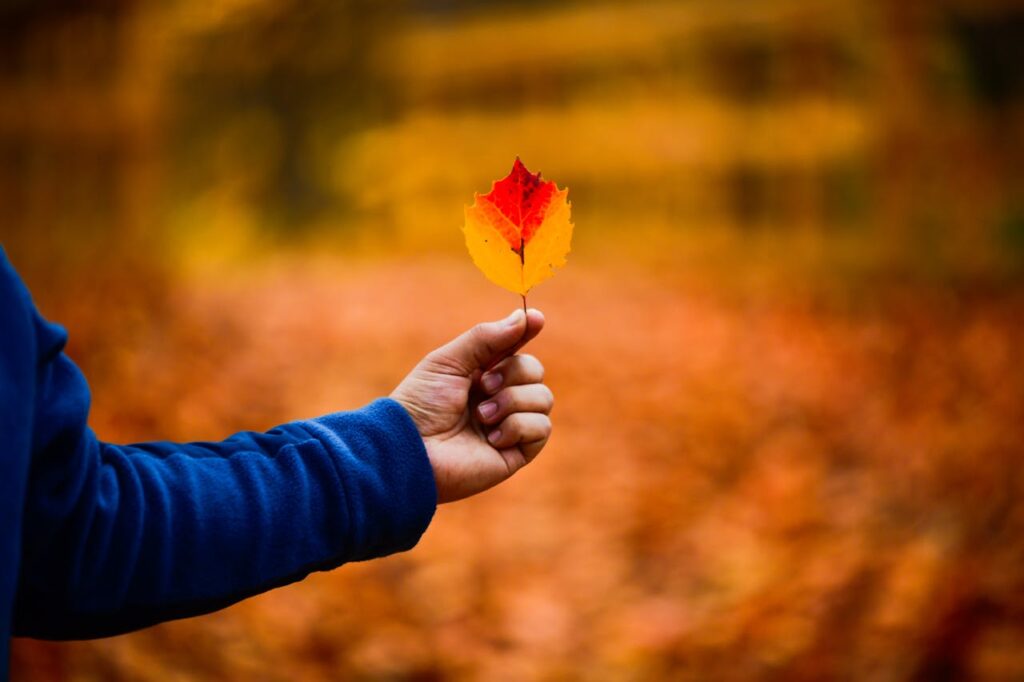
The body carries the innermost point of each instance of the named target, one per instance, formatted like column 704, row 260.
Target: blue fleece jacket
column 98, row 539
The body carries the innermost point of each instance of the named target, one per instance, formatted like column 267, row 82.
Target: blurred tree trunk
column 80, row 132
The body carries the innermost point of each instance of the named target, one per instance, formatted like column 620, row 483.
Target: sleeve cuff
column 383, row 466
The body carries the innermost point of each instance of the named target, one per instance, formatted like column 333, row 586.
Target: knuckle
column 478, row 330
column 537, row 422
column 481, row 335
column 513, row 424
column 541, row 429
column 530, row 398
column 541, row 398
column 533, row 367
column 521, row 398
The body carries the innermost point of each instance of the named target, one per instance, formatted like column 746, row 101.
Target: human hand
column 481, row 410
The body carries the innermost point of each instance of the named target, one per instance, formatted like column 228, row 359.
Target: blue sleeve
column 118, row 537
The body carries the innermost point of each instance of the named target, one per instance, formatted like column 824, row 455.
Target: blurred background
column 785, row 350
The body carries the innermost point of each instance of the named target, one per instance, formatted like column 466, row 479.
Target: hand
column 482, row 411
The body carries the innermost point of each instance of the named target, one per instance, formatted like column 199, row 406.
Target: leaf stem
column 522, row 265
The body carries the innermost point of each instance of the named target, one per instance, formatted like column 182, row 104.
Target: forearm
column 156, row 531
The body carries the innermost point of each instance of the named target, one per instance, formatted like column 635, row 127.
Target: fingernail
column 491, row 382
column 493, row 436
column 514, row 319
column 488, row 409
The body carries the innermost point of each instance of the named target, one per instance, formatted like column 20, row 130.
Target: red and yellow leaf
column 519, row 232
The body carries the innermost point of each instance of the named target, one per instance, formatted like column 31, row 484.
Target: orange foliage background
column 785, row 350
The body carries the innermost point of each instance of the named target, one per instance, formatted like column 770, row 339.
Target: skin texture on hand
column 482, row 410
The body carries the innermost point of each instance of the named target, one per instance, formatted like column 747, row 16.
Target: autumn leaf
column 519, row 232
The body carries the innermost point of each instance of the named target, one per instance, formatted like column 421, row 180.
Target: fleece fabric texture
column 98, row 539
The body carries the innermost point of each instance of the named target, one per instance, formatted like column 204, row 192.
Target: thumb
column 484, row 344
